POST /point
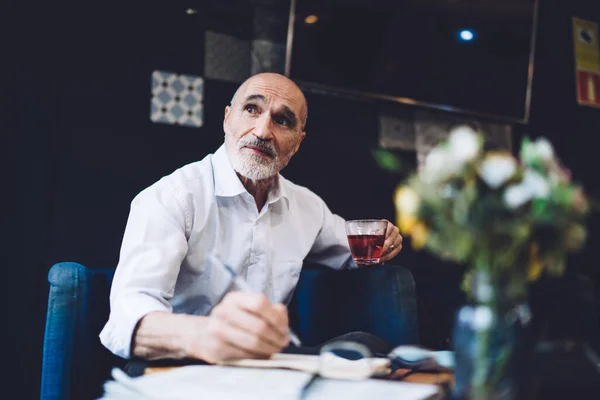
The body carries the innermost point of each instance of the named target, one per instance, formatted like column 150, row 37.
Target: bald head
column 269, row 79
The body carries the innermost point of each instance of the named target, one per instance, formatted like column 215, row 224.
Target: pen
column 243, row 285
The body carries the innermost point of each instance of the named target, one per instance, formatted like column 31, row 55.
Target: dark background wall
column 80, row 145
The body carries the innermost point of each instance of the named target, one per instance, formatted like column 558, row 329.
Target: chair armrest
column 74, row 362
column 59, row 334
column 380, row 300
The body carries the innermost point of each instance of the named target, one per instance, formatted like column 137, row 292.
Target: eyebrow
column 255, row 97
column 287, row 112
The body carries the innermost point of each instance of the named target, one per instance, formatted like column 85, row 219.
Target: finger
column 227, row 351
column 391, row 239
column 231, row 352
column 248, row 342
column 388, row 229
column 283, row 312
column 260, row 306
column 223, row 345
column 255, row 325
column 394, row 251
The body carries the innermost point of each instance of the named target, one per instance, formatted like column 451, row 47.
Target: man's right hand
column 242, row 325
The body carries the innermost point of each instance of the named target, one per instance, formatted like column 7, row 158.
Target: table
column 404, row 375
column 443, row 379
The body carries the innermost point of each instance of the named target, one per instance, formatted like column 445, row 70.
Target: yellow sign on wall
column 587, row 52
column 587, row 62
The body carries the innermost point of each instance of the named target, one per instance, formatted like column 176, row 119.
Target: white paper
column 370, row 389
column 224, row 383
column 208, row 382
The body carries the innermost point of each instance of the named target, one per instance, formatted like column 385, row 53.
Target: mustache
column 266, row 147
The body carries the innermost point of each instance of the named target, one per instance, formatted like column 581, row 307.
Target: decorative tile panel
column 177, row 99
column 396, row 133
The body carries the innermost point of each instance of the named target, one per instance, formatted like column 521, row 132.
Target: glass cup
column 366, row 238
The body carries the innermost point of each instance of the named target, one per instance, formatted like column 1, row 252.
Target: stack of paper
column 224, row 383
column 207, row 382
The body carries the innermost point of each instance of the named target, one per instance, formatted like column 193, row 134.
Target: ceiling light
column 466, row 35
column 311, row 19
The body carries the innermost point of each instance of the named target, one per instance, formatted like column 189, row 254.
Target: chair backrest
column 380, row 300
column 75, row 364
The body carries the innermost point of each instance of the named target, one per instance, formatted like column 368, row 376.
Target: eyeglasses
column 346, row 360
column 354, row 361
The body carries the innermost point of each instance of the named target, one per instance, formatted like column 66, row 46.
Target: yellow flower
column 419, row 235
column 407, row 203
column 535, row 265
column 406, row 200
column 406, row 223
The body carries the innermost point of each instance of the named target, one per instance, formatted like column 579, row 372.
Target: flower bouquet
column 509, row 220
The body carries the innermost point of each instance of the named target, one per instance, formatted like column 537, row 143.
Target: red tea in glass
column 366, row 249
column 366, row 238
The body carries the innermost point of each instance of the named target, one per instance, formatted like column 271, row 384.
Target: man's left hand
column 393, row 242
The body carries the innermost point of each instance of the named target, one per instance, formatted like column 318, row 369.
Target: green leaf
column 388, row 161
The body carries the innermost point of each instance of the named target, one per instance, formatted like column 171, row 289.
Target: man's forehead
column 280, row 93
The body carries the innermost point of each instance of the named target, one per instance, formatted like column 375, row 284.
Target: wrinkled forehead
column 276, row 92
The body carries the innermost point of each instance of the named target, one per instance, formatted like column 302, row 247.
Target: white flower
column 435, row 160
column 533, row 186
column 497, row 168
column 517, row 195
column 464, row 144
column 544, row 149
column 536, row 183
column 538, row 151
column 438, row 165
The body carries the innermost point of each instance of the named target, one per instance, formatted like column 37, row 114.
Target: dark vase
column 491, row 345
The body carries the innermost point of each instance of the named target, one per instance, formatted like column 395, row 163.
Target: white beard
column 252, row 166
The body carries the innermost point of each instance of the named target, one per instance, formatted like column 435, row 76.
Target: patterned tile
column 396, row 133
column 177, row 99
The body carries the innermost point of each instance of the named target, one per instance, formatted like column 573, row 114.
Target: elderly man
column 233, row 207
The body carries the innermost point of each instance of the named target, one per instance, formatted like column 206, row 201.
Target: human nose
column 262, row 129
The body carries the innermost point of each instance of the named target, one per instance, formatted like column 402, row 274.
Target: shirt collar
column 278, row 191
column 228, row 184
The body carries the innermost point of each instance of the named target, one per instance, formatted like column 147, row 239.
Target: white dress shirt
column 201, row 212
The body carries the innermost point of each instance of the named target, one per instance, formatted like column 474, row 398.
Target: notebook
column 225, row 383
column 343, row 368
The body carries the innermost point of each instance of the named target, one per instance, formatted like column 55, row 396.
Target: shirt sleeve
column 331, row 246
column 153, row 248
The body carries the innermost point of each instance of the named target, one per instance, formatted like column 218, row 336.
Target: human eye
column 251, row 108
column 283, row 121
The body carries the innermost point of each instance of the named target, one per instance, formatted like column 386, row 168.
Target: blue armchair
column 75, row 364
column 378, row 300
